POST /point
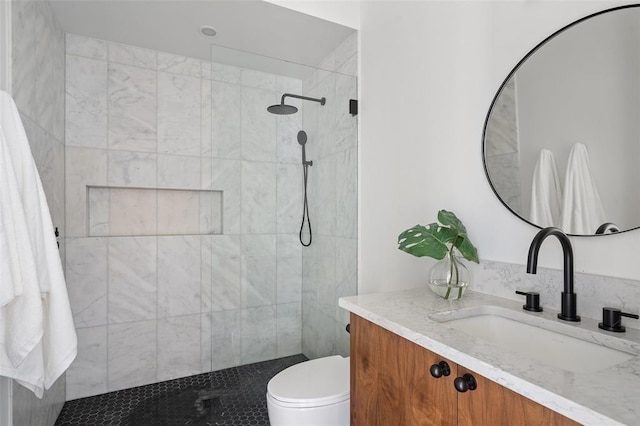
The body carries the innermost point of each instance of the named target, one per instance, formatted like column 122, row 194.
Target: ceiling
column 173, row 26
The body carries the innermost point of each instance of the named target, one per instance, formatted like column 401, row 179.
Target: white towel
column 546, row 192
column 582, row 210
column 43, row 304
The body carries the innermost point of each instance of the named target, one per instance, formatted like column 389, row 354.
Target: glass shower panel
column 270, row 297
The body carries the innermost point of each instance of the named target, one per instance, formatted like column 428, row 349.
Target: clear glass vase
column 449, row 277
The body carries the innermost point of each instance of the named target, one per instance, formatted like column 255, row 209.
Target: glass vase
column 449, row 277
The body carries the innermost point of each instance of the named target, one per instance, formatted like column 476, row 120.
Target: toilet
column 312, row 393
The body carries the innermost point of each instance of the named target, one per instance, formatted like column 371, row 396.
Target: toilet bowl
column 312, row 393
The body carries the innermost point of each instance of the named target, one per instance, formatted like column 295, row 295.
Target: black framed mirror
column 561, row 141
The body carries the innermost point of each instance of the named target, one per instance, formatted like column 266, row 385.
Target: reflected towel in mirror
column 546, row 192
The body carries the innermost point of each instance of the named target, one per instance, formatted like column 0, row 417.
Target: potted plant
column 449, row 277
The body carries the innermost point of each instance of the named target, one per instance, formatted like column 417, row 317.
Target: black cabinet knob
column 440, row 369
column 465, row 383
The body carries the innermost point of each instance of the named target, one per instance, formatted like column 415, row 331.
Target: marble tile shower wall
column 38, row 89
column 330, row 263
column 155, row 307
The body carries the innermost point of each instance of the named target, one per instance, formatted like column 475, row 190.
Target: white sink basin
column 547, row 341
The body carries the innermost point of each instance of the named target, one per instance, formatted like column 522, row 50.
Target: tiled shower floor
column 235, row 396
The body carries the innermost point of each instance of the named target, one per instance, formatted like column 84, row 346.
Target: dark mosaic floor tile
column 234, row 396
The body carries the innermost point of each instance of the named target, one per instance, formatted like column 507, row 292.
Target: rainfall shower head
column 284, row 109
column 302, row 137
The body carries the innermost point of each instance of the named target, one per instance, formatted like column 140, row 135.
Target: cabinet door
column 493, row 405
column 390, row 381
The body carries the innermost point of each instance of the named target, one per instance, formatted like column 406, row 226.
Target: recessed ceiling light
column 207, row 31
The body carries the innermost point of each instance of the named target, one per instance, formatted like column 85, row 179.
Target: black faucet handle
column 532, row 302
column 612, row 319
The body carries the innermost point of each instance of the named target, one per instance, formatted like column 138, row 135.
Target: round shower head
column 302, row 137
column 282, row 109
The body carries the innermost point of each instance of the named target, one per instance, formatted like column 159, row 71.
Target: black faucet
column 568, row 301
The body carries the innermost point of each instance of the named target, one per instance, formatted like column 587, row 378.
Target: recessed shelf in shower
column 119, row 211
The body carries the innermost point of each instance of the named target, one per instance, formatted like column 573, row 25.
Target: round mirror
column 561, row 142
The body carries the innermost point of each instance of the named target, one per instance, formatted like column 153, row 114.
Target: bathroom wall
column 181, row 198
column 421, row 135
column 37, row 67
column 330, row 262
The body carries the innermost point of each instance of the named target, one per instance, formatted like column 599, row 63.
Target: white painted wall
column 344, row 12
column 429, row 71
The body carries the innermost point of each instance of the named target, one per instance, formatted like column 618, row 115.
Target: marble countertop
column 610, row 396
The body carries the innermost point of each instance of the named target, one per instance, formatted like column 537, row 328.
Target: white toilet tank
column 312, row 393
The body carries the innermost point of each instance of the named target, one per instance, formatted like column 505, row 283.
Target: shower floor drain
column 234, row 396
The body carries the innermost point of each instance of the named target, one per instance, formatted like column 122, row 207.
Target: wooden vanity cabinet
column 391, row 385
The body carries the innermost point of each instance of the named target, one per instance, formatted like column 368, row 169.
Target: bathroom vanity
column 403, row 344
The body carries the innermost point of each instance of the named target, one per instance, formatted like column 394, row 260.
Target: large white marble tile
column 258, row 340
column 225, row 339
column 86, row 276
column 98, row 211
column 179, row 172
column 179, row 65
column 43, row 111
column 225, row 272
column 205, row 118
column 59, row 89
column 346, row 271
column 328, row 115
column 210, row 212
column 326, row 275
column 132, row 108
column 132, row 212
column 178, row 114
column 225, row 73
column 179, row 265
column 132, row 279
column 178, row 212
column 86, row 102
column 323, row 200
column 179, row 347
column 132, row 169
column 502, row 129
column 258, row 79
column 346, row 194
column 258, row 197
column 289, row 329
column 289, row 202
column 87, row 375
column 225, row 120
column 289, row 279
column 287, row 147
column 131, row 354
column 206, row 272
column 327, row 342
column 310, row 324
column 225, row 176
column 84, row 167
column 24, row 61
column 345, row 128
column 86, row 46
column 310, row 275
column 132, row 55
column 289, row 85
column 258, row 126
column 259, row 285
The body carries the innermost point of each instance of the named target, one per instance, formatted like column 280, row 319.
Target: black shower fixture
column 284, row 109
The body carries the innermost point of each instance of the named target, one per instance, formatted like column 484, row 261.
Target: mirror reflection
column 562, row 137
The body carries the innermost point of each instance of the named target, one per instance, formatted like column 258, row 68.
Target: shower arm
column 291, row 95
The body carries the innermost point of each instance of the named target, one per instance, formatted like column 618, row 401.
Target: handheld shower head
column 302, row 137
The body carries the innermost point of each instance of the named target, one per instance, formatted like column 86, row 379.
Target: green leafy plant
column 435, row 240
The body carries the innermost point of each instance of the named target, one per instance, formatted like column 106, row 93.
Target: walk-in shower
column 284, row 109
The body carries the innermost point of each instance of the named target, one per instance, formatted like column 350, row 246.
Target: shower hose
column 305, row 208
